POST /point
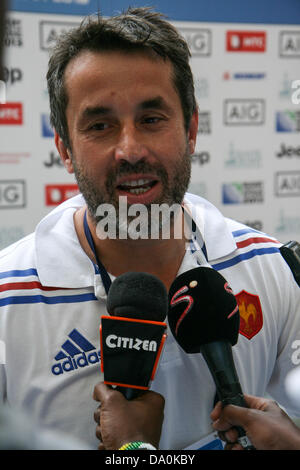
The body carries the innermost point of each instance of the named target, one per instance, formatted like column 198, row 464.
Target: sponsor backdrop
column 245, row 61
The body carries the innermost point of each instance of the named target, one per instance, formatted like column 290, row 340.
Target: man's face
column 126, row 130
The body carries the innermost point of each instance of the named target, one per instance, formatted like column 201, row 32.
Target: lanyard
column 102, row 271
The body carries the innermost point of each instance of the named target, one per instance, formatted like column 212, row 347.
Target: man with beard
column 125, row 119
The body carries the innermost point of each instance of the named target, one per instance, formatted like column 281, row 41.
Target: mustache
column 126, row 169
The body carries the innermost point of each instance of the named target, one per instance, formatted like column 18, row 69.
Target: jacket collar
column 61, row 262
column 212, row 228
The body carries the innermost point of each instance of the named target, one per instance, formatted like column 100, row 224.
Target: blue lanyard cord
column 103, row 273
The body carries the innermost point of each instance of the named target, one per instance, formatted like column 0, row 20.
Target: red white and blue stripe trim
column 250, row 243
column 23, row 286
column 29, row 290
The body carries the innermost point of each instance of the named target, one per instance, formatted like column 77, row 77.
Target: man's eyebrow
column 154, row 103
column 94, row 111
column 97, row 111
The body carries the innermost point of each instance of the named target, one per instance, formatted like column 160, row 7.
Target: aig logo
column 12, row 194
column 287, row 183
column 199, row 41
column 244, row 112
column 51, row 30
column 289, row 44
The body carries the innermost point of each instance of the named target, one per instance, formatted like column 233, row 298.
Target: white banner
column 247, row 160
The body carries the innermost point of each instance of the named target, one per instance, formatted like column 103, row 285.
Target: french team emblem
column 251, row 317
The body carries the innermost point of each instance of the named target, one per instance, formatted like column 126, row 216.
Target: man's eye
column 152, row 119
column 99, row 126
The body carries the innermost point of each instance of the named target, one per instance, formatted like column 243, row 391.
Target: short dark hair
column 135, row 30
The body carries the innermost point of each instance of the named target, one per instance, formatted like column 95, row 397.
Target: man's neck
column 161, row 258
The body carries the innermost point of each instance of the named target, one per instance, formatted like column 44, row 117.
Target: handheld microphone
column 204, row 317
column 132, row 337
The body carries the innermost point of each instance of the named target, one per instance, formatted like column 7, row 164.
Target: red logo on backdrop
column 246, row 41
column 251, row 317
column 58, row 193
column 11, row 113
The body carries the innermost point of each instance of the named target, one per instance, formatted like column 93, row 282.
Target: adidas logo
column 76, row 352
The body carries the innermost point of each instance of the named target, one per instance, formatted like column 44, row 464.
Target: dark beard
column 173, row 191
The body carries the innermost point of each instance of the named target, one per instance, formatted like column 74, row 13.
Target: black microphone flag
column 132, row 337
column 130, row 350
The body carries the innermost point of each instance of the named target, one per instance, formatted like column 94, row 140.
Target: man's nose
column 130, row 146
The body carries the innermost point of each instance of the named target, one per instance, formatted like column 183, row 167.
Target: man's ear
column 64, row 153
column 192, row 133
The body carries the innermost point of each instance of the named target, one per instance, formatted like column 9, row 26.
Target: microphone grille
column 138, row 295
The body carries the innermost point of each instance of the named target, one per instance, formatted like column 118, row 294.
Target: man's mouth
column 137, row 186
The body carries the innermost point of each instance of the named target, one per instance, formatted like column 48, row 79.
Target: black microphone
column 204, row 317
column 132, row 337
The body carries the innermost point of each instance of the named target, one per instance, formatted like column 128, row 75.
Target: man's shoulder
column 17, row 265
column 254, row 249
column 22, row 253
